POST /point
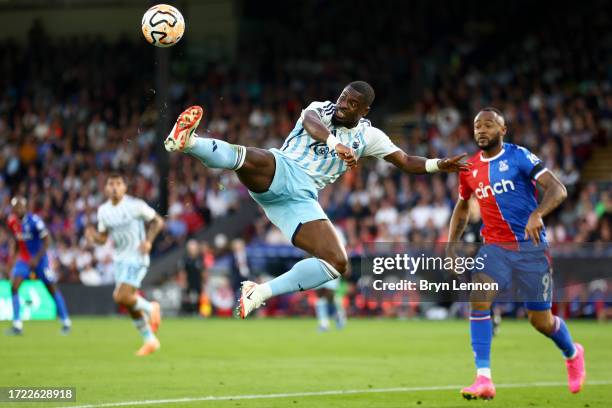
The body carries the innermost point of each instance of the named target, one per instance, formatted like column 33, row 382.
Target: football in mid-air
column 163, row 25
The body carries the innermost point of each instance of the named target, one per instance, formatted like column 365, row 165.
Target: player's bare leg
column 143, row 314
column 329, row 261
column 17, row 326
column 258, row 169
column 481, row 332
column 320, row 239
column 554, row 327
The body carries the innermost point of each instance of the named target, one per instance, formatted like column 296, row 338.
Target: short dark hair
column 364, row 89
column 116, row 175
column 494, row 110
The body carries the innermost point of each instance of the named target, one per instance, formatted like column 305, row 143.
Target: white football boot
column 250, row 299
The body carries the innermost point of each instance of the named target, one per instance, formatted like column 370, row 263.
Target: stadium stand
column 64, row 127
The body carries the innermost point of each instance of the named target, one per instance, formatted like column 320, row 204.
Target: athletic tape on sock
column 241, row 151
column 331, row 271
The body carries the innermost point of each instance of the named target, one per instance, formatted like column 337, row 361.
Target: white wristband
column 431, row 165
column 332, row 141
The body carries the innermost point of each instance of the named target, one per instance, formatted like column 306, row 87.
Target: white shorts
column 130, row 273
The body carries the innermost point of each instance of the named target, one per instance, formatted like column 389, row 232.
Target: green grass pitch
column 218, row 358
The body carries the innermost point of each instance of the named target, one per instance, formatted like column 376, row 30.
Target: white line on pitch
column 321, row 393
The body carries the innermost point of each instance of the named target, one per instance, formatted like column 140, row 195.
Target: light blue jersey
column 125, row 224
column 305, row 165
column 316, row 159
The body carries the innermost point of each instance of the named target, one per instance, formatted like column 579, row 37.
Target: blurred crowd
column 73, row 110
column 554, row 86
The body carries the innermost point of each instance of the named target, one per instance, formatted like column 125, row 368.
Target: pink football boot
column 576, row 371
column 482, row 388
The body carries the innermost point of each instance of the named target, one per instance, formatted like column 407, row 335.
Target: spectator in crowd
column 192, row 267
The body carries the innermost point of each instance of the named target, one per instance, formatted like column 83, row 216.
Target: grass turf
column 217, row 358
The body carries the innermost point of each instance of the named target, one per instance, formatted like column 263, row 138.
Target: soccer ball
column 163, row 25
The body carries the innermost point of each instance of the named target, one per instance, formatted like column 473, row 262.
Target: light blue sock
column 306, row 274
column 322, row 311
column 143, row 304
column 217, row 154
column 143, row 327
column 481, row 330
column 16, row 308
column 562, row 338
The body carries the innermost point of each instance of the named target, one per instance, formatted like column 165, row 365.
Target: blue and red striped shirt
column 29, row 233
column 505, row 188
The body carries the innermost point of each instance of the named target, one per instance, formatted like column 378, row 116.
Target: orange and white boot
column 180, row 137
column 149, row 347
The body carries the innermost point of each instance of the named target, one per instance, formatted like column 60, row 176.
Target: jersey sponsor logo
column 494, row 189
column 24, row 236
column 356, row 145
column 321, row 149
column 503, row 165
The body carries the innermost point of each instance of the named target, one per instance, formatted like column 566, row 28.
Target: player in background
column 32, row 240
column 327, row 140
column 123, row 218
column 329, row 303
column 503, row 178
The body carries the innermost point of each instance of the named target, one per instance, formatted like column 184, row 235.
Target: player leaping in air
column 123, row 218
column 327, row 140
column 502, row 179
column 32, row 240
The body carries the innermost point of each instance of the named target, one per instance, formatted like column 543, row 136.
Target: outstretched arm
column 315, row 128
column 554, row 194
column 422, row 165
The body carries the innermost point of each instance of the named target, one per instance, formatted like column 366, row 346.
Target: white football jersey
column 125, row 224
column 323, row 166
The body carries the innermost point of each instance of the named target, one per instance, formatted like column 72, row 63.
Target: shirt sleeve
column 465, row 191
column 529, row 164
column 325, row 111
column 378, row 143
column 144, row 211
column 39, row 224
column 102, row 228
